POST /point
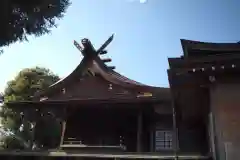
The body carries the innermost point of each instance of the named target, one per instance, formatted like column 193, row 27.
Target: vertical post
column 213, row 135
column 152, row 148
column 64, row 123
column 175, row 131
column 139, row 132
column 63, row 132
column 213, row 128
column 174, row 116
column 33, row 138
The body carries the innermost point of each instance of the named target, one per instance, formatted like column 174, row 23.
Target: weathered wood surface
column 100, row 155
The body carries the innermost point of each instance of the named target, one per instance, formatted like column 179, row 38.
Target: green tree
column 22, row 88
column 20, row 18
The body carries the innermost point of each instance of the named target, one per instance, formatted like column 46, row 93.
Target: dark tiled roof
column 192, row 48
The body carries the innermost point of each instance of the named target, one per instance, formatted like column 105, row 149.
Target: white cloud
column 143, row 1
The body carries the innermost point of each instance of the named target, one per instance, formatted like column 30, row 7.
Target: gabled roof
column 199, row 49
column 94, row 64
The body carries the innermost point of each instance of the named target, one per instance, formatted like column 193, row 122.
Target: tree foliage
column 10, row 142
column 20, row 18
column 22, row 88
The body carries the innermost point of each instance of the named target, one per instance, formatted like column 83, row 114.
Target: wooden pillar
column 63, row 131
column 175, row 132
column 175, row 125
column 139, row 132
column 152, row 130
column 33, row 138
column 64, row 123
column 212, row 133
column 174, row 118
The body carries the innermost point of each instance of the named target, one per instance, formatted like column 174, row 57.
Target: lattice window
column 163, row 140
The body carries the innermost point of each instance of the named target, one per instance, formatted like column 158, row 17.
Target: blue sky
column 146, row 35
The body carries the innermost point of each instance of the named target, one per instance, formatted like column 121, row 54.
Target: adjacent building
column 205, row 89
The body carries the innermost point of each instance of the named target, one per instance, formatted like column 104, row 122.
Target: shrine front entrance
column 124, row 127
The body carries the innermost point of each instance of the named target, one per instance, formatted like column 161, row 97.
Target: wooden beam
column 103, row 52
column 208, row 69
column 112, row 67
column 107, row 60
column 78, row 154
column 186, row 63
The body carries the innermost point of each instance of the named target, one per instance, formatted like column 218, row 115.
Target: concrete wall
column 225, row 106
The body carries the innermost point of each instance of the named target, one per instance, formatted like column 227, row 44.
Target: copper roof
column 95, row 64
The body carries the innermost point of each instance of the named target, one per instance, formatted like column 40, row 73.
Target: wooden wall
column 92, row 87
column 191, row 107
column 225, row 106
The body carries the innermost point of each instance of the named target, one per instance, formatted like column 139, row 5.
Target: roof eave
column 87, row 102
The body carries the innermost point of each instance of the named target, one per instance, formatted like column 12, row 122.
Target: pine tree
column 20, row 18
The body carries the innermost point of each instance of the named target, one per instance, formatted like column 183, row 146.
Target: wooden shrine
column 103, row 113
column 106, row 115
column 205, row 89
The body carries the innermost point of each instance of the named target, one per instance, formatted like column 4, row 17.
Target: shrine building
column 104, row 114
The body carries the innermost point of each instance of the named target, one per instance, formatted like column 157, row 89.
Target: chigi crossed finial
column 87, row 49
column 86, row 45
